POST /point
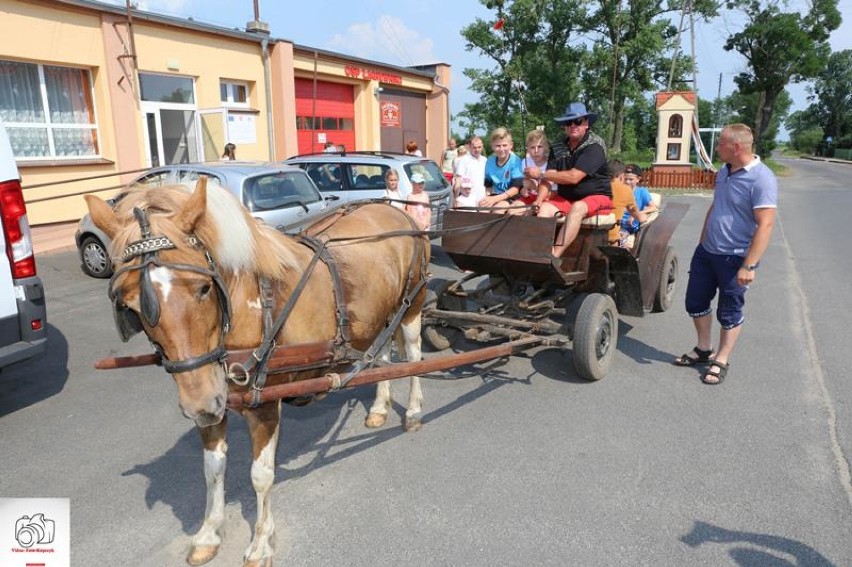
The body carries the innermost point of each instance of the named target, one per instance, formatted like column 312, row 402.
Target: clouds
column 388, row 40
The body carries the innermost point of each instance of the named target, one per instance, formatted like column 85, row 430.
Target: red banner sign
column 391, row 114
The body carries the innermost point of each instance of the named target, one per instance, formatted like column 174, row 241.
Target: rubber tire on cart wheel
column 440, row 337
column 667, row 285
column 595, row 336
column 95, row 258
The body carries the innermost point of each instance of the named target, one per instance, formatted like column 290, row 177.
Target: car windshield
column 435, row 180
column 279, row 190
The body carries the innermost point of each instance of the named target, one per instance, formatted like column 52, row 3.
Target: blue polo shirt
column 731, row 225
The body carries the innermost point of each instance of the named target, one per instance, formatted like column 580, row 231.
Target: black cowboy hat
column 577, row 110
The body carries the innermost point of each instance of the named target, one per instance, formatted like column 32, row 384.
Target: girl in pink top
column 418, row 206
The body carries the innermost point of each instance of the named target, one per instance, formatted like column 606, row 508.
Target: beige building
column 92, row 93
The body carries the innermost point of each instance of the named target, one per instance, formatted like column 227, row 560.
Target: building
column 93, row 93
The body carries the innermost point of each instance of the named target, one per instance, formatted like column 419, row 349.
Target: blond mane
column 236, row 241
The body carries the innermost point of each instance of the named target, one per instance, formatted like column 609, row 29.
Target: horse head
column 167, row 284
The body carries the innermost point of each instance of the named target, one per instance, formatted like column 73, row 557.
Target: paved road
column 524, row 464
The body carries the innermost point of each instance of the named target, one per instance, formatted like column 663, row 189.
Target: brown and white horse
column 214, row 248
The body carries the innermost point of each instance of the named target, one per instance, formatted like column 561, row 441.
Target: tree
column 633, row 53
column 780, row 48
column 745, row 107
column 832, row 95
column 535, row 57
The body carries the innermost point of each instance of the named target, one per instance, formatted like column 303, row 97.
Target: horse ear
column 194, row 209
column 102, row 215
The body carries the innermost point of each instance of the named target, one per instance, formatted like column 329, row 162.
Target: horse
column 198, row 275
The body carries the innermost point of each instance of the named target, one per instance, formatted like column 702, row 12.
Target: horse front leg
column 263, row 423
column 381, row 405
column 205, row 543
column 410, row 337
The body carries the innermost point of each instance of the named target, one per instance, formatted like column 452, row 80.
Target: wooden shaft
column 390, row 372
column 283, row 359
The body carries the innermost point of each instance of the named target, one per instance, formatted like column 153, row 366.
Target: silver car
column 350, row 176
column 280, row 195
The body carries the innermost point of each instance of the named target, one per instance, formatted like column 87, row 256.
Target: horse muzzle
column 211, row 415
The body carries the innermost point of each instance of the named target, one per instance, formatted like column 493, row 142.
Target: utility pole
column 715, row 117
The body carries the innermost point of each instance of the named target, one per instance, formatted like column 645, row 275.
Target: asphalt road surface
column 520, row 463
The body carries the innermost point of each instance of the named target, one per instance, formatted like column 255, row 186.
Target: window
column 166, row 88
column 673, row 152
column 675, row 126
column 323, row 123
column 234, row 93
column 48, row 110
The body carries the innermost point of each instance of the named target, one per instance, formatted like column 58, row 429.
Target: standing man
column 448, row 157
column 577, row 166
column 735, row 235
column 472, row 166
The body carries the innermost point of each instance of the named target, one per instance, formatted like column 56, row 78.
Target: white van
column 23, row 317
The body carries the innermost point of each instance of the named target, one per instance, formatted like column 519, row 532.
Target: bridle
column 128, row 322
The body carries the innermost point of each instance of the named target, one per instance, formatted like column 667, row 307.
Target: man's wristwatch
column 751, row 267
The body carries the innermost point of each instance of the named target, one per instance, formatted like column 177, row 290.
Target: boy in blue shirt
column 504, row 173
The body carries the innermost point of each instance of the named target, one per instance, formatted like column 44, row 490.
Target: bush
column 806, row 141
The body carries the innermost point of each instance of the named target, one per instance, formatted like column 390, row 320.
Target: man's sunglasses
column 575, row 122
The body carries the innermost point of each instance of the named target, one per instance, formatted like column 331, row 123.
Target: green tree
column 632, row 54
column 832, row 95
column 745, row 107
column 780, row 48
column 535, row 57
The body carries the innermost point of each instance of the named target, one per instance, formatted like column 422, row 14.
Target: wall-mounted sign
column 242, row 128
column 391, row 114
column 372, row 75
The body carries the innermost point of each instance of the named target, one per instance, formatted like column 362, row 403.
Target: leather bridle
column 128, row 322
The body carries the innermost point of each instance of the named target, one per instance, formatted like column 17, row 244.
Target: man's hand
column 532, row 173
column 745, row 276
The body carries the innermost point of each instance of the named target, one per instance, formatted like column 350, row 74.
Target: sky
column 416, row 32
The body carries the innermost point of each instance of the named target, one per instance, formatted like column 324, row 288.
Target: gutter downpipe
column 267, row 79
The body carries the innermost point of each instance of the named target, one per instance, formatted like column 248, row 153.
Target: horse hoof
column 412, row 424
column 375, row 420
column 201, row 554
column 263, row 562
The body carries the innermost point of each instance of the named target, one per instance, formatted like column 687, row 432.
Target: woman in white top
column 230, row 153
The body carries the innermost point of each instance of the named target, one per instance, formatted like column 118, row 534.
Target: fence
column 692, row 179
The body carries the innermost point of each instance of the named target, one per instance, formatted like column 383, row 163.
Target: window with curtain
column 48, row 110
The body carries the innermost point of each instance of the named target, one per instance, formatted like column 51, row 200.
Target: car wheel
column 96, row 262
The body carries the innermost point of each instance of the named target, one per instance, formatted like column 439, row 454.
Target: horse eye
column 205, row 290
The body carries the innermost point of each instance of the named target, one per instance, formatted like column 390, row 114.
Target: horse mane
column 236, row 241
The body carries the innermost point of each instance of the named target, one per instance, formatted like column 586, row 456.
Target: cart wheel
column 668, row 282
column 595, row 336
column 440, row 337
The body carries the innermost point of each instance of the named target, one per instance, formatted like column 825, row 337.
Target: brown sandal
column 718, row 376
column 686, row 360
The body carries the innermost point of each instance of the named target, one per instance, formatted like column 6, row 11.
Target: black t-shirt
column 590, row 158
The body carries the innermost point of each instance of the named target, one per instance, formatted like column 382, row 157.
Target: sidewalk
column 58, row 237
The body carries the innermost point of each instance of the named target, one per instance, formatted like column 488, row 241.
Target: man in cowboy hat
column 577, row 167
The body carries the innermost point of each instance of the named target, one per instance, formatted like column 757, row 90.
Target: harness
column 254, row 372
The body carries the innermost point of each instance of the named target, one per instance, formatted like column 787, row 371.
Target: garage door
column 330, row 116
